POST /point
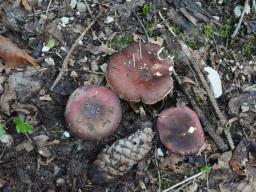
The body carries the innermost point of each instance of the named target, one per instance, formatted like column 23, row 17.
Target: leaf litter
column 230, row 172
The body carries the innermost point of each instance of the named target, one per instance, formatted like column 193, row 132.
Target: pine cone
column 116, row 160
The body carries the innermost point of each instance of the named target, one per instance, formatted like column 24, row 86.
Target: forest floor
column 47, row 29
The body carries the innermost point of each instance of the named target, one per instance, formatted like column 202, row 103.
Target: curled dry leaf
column 41, row 142
column 14, row 56
column 239, row 158
column 116, row 160
column 26, row 5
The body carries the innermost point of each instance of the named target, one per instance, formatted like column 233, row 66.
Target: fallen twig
column 246, row 4
column 158, row 172
column 222, row 118
column 207, row 124
column 185, row 181
column 50, row 9
column 46, row 14
column 166, row 24
column 65, row 62
column 88, row 8
column 141, row 24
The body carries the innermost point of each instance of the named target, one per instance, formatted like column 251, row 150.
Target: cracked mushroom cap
column 137, row 73
column 180, row 130
column 93, row 112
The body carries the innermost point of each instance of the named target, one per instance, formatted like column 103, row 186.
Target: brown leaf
column 26, row 5
column 14, row 56
column 236, row 167
column 240, row 158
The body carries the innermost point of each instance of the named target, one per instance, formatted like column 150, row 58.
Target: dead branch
column 246, row 4
column 207, row 124
column 222, row 118
column 64, row 67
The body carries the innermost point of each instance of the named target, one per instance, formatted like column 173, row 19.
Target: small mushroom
column 93, row 112
column 138, row 73
column 180, row 130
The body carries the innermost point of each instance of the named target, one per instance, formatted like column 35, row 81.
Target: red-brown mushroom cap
column 180, row 130
column 138, row 73
column 93, row 112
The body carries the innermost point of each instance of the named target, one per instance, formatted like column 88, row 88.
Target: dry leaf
column 14, row 56
column 176, row 164
column 240, row 158
column 26, row 5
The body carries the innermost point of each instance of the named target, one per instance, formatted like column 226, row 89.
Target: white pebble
column 49, row 61
column 66, row 134
column 160, row 152
column 81, row 7
column 215, row 81
column 6, row 139
column 64, row 21
column 103, row 67
column 109, row 19
column 45, row 49
column 73, row 74
column 73, row 3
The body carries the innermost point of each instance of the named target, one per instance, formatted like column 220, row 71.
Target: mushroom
column 138, row 73
column 93, row 112
column 180, row 130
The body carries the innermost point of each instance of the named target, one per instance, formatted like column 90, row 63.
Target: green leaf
column 2, row 131
column 50, row 43
column 21, row 126
column 205, row 169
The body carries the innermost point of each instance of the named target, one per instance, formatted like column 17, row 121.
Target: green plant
column 2, row 130
column 192, row 44
column 150, row 29
column 205, row 169
column 147, row 8
column 225, row 29
column 208, row 30
column 176, row 29
column 21, row 126
column 120, row 41
column 247, row 49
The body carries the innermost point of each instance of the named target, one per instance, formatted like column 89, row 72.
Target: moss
column 192, row 44
column 247, row 50
column 147, row 8
column 208, row 30
column 150, row 29
column 225, row 29
column 121, row 41
column 176, row 29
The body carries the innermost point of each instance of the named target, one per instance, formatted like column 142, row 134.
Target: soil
column 66, row 167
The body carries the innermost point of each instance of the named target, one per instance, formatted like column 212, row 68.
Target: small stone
column 6, row 139
column 60, row 181
column 45, row 49
column 160, row 152
column 103, row 67
column 63, row 48
column 94, row 66
column 66, row 134
column 64, row 21
column 45, row 98
column 109, row 20
column 73, row 3
column 49, row 61
column 73, row 74
column 215, row 81
column 81, row 7
column 245, row 107
column 198, row 3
